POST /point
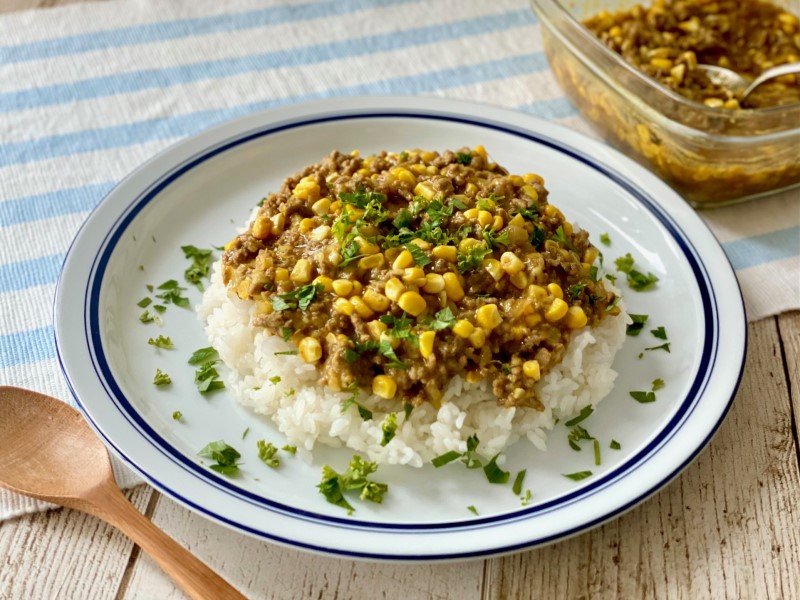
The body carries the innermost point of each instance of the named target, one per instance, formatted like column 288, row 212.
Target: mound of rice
column 308, row 413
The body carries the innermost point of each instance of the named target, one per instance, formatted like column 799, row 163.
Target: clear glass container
column 711, row 156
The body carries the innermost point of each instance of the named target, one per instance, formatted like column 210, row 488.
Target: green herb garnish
column 494, row 473
column 144, row 302
column 361, row 198
column 471, row 259
column 225, row 456
column 275, row 380
column 445, row 458
column 363, row 411
column 584, row 414
column 637, row 281
column 577, row 434
column 206, row 377
column 596, row 452
column 636, row 327
column 658, row 384
column 171, row 293
column 146, row 317
column 659, row 333
column 334, row 485
column 526, row 499
column 286, row 353
column 299, row 298
column 290, row 449
column 473, row 510
column 661, row 347
column 286, row 333
column 161, row 378
column 418, row 254
column 643, row 397
column 177, row 415
column 605, row 239
column 266, row 453
column 161, row 342
column 203, row 355
column 389, row 428
column 578, row 475
column 201, row 265
column 615, row 445
column 464, row 158
column 518, row 480
column 444, row 319
column 245, row 432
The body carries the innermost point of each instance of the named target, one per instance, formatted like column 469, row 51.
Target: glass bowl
column 711, row 156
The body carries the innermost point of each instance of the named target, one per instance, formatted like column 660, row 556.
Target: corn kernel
column 516, row 180
column 575, row 317
column 261, row 227
column 426, row 340
column 530, row 191
column 301, row 273
column 373, row 261
column 434, row 283
column 533, row 320
column 427, row 155
column 361, row 308
column 404, row 175
column 366, row 247
column 531, row 369
column 310, row 349
column 412, row 303
column 424, row 189
column 404, row 259
column 326, row 282
column 470, row 189
column 511, row 263
column 484, row 217
column 357, row 288
column 537, row 292
column 497, row 223
column 552, row 211
column 467, row 244
column 555, row 290
column 477, row 338
column 281, row 274
column 452, row 286
column 557, row 310
column 590, row 255
column 306, row 225
column 463, row 328
column 420, row 243
column 342, row 287
column 533, row 178
column 473, row 377
column 376, row 328
column 480, row 151
column 414, row 276
column 321, row 233
column 394, row 289
column 519, row 280
column 488, row 316
column 492, row 266
column 376, row 301
column 517, row 221
column 263, row 307
column 243, row 289
column 384, row 386
column 448, row 253
column 278, row 223
column 343, row 306
column 471, row 213
column 321, row 206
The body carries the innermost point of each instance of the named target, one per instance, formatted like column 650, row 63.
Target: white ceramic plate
column 202, row 189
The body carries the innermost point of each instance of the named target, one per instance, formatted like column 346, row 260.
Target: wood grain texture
column 265, row 571
column 728, row 527
column 64, row 553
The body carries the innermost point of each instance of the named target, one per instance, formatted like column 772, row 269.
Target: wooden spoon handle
column 192, row 575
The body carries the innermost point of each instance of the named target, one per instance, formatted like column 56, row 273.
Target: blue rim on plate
column 92, row 328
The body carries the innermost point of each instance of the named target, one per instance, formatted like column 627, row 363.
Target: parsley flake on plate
column 161, row 342
column 334, row 485
column 225, row 457
column 161, row 378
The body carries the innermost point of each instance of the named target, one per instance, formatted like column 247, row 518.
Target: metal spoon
column 739, row 85
column 49, row 452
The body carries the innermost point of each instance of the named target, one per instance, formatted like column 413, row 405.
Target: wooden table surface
column 728, row 527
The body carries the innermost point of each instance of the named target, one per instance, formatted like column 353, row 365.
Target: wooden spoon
column 49, row 452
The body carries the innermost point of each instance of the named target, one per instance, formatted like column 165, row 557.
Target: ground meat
column 395, row 272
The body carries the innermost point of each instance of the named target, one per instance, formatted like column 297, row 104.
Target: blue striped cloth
column 90, row 91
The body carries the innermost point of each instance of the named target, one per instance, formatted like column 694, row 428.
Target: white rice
column 309, row 414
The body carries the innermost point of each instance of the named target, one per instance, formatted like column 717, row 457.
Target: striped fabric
column 90, row 91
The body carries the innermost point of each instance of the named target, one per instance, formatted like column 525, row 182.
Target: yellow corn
column 373, row 261
column 243, row 289
column 326, row 282
column 376, row 328
column 278, row 223
column 310, row 349
column 426, row 340
column 366, row 247
column 321, row 206
column 532, row 178
column 414, row 276
column 361, row 308
column 470, row 189
column 555, row 290
column 531, row 369
column 427, row 155
column 320, row 233
column 556, row 310
column 477, row 338
column 376, row 301
column 452, row 287
column 384, row 386
column 463, row 328
column 471, row 213
column 306, row 225
column 281, row 274
column 403, row 260
column 516, row 180
column 404, row 175
column 590, row 255
column 343, row 306
column 519, row 280
column 357, row 288
column 492, row 266
column 422, row 244
column 517, row 221
column 497, row 223
column 480, row 151
column 575, row 317
column 424, row 189
column 392, row 253
column 511, row 263
column 484, row 217
column 434, row 283
column 552, row 211
column 529, row 191
column 301, row 273
column 263, row 307
column 342, row 287
column 488, row 316
column 467, row 244
column 261, row 227
column 447, row 253
column 412, row 303
column 537, row 292
column 307, row 189
column 567, row 226
column 394, row 289
column 533, row 320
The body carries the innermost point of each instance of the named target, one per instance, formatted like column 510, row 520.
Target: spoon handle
column 192, row 575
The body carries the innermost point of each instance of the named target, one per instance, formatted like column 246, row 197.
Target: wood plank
column 729, row 526
column 261, row 570
column 63, row 553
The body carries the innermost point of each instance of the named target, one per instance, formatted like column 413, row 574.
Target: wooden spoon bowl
column 49, row 452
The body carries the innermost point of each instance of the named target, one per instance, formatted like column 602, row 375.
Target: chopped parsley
column 636, row 327
column 266, row 453
column 275, row 380
column 206, row 377
column 658, row 384
column 468, row 457
column 597, row 452
column 407, row 408
column 605, row 239
column 159, row 308
column 225, row 457
column 659, row 333
column 286, row 333
column 144, row 302
column 637, row 281
column 299, row 298
column 526, row 499
column 286, row 353
column 615, row 445
column 362, row 198
column 495, row 240
column 444, row 319
column 583, row 415
column 201, row 265
column 643, row 397
column 661, row 347
column 418, row 254
column 574, row 291
column 577, row 434
column 334, row 485
column 171, row 294
column 245, row 432
column 146, row 317
column 494, row 473
column 161, row 378
column 561, row 237
column 473, row 510
column 445, row 458
column 161, row 342
column 518, row 480
column 464, row 158
column 177, row 415
column 538, row 237
column 466, row 261
column 203, row 355
column 578, row 475
column 290, row 449
column 389, row 428
column 363, row 411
